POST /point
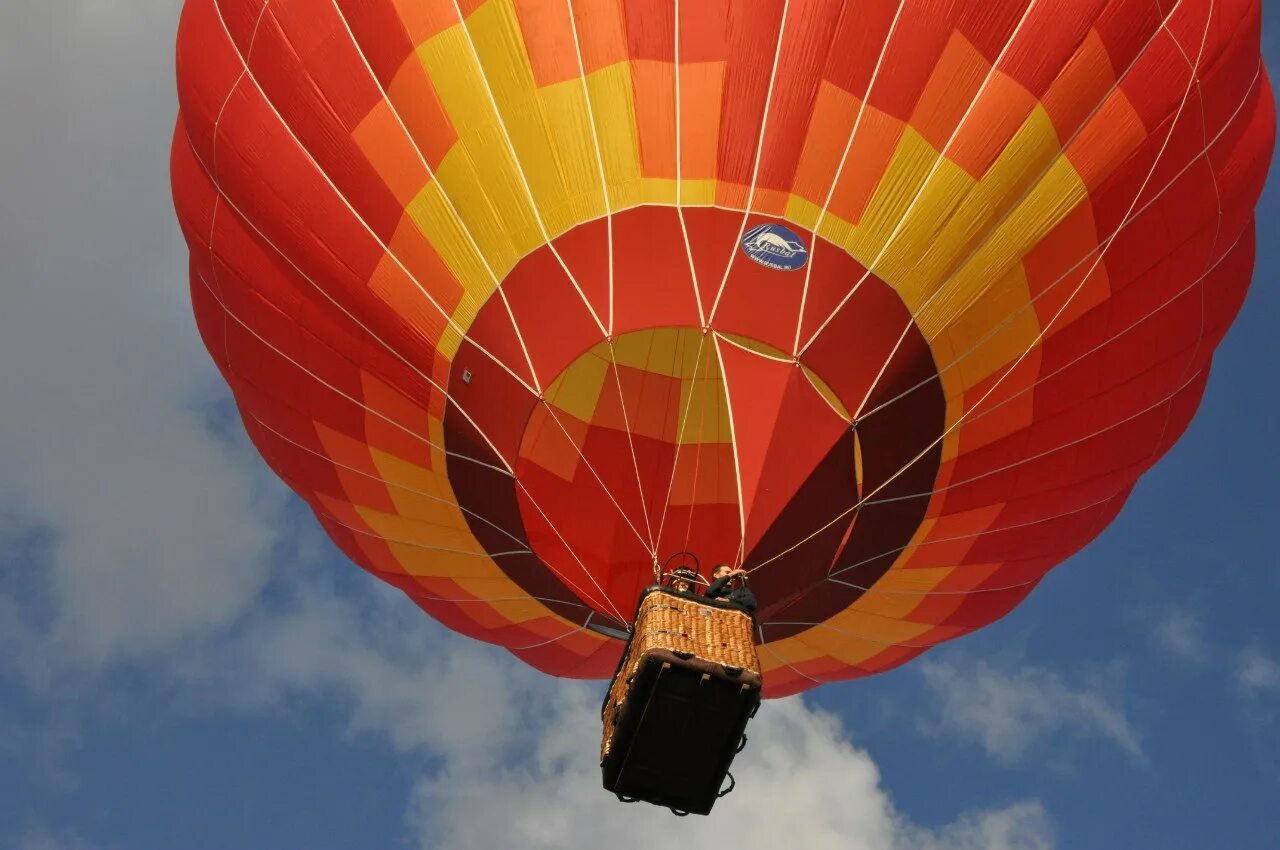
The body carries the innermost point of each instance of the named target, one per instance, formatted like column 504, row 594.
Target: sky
column 187, row 662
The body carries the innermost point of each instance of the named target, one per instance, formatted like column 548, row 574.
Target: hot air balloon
column 888, row 303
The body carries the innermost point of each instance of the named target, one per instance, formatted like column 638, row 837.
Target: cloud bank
column 1181, row 633
column 1008, row 712
column 513, row 754
column 1257, row 673
column 156, row 530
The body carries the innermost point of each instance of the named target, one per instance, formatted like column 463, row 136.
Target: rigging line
column 389, row 484
column 1217, row 231
column 448, row 319
column 444, row 195
column 831, row 190
column 684, row 420
column 558, row 573
column 931, row 541
column 213, row 264
column 547, row 601
column 740, row 553
column 222, row 197
column 253, row 39
column 635, row 461
column 550, row 408
column 218, row 198
column 417, row 150
column 731, row 341
column 1184, row 383
column 995, row 331
column 415, row 595
column 326, row 515
column 608, row 206
column 412, row 544
column 609, row 645
column 697, row 452
column 887, row 644
column 678, row 354
column 213, row 269
column 524, row 179
column 1011, row 208
column 825, row 396
column 1198, row 282
column 684, row 228
column 604, row 597
column 755, row 168
column 1129, row 217
column 222, row 194
column 1100, row 251
column 416, row 592
column 991, row 232
column 1040, row 335
column 1029, row 458
column 595, row 138
column 337, row 391
column 933, row 170
column 569, row 633
column 932, row 593
column 502, row 293
column 733, row 442
column 396, row 580
column 767, row 647
column 831, row 576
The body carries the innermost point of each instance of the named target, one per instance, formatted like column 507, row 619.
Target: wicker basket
column 713, row 638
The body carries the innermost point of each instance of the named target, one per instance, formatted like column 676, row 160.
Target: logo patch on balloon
column 775, row 246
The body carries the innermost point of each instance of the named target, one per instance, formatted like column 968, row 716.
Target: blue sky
column 187, row 662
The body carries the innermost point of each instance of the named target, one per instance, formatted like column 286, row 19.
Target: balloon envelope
column 890, row 302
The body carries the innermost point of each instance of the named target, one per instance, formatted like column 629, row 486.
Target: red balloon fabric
column 890, row 303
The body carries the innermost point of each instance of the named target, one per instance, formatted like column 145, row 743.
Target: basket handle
column 697, row 565
column 733, row 783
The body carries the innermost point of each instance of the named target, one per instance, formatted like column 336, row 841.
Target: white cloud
column 427, row 690
column 158, row 528
column 1007, row 712
column 510, row 757
column 1257, row 673
column 1181, row 633
column 1021, row 826
column 39, row 839
column 801, row 784
column 514, row 753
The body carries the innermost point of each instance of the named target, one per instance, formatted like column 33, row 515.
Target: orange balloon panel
column 890, row 302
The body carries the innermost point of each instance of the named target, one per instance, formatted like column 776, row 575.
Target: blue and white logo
column 775, row 246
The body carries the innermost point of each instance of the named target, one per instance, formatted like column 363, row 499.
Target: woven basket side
column 719, row 635
column 617, row 696
column 668, row 622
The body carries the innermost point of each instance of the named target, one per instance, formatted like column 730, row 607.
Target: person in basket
column 730, row 585
column 684, row 579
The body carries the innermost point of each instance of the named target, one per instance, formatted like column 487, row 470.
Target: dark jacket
column 739, row 597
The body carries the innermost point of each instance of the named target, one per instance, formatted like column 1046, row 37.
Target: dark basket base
column 677, row 733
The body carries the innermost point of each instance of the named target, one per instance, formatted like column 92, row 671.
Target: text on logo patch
column 775, row 246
